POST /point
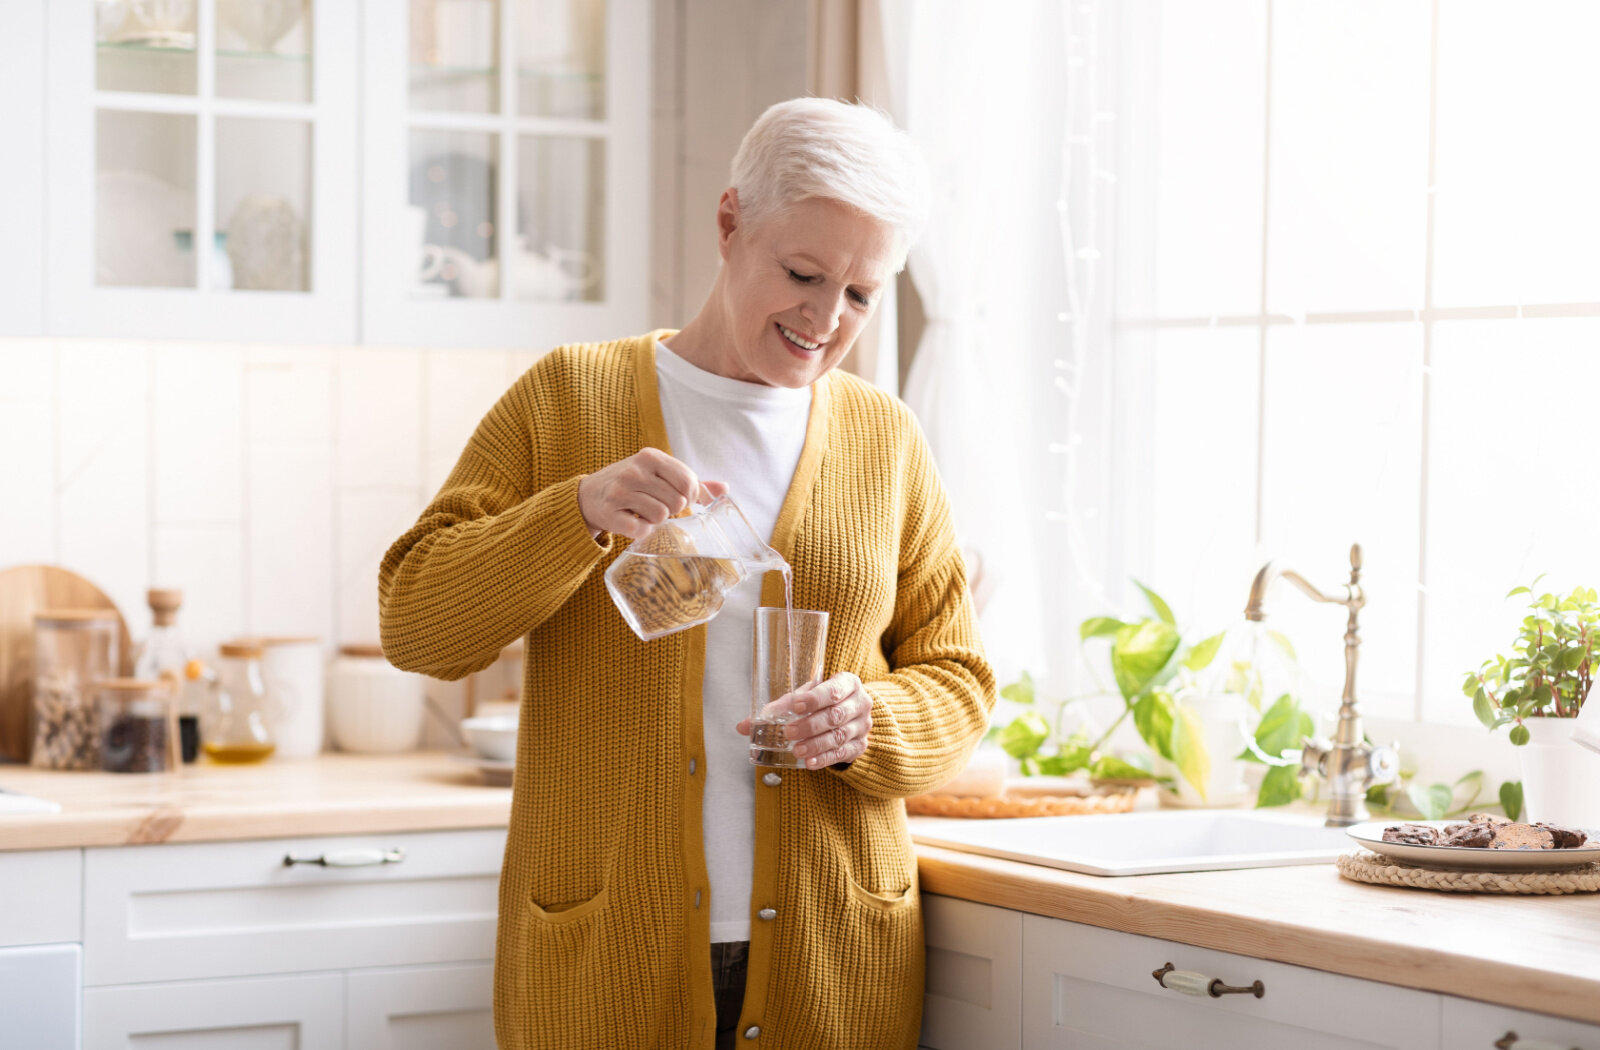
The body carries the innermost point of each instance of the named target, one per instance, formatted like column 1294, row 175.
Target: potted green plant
column 1538, row 689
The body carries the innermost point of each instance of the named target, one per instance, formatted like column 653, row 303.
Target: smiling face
column 795, row 289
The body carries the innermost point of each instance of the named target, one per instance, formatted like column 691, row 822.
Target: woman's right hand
column 634, row 495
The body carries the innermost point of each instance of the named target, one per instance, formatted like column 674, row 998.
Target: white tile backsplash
column 103, row 473
column 380, row 417
column 28, row 472
column 290, row 536
column 265, row 481
column 459, row 387
column 197, row 424
column 369, row 521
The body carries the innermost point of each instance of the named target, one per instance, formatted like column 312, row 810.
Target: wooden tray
column 25, row 590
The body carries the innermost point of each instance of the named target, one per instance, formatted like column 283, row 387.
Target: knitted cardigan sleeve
column 930, row 711
column 495, row 553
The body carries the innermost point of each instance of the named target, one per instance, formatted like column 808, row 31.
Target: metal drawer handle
column 1509, row 1041
column 349, row 858
column 1190, row 983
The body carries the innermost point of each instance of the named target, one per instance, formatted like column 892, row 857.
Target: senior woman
column 659, row 891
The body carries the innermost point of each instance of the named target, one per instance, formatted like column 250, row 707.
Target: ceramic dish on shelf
column 1473, row 858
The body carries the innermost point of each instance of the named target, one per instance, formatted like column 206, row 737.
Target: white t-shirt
column 749, row 436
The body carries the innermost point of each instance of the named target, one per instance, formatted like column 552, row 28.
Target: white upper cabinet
column 202, row 170
column 22, row 173
column 505, row 153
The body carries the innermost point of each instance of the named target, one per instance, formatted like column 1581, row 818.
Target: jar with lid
column 236, row 724
column 164, row 656
column 135, row 725
column 72, row 650
column 373, row 706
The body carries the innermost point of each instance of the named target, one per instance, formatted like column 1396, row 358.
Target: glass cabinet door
column 495, row 202
column 214, row 141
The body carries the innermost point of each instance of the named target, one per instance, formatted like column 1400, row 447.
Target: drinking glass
column 789, row 650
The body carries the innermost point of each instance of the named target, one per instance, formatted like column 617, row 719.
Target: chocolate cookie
column 1411, row 834
column 1522, row 836
column 1476, row 836
column 1566, row 838
column 1486, row 818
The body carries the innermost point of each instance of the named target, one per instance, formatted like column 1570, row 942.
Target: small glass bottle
column 236, row 724
column 164, row 658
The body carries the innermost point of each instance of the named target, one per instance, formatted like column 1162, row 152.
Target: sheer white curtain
column 1000, row 379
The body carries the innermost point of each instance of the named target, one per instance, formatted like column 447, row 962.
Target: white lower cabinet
column 1470, row 1025
column 313, row 944
column 973, row 993
column 421, row 1008
column 303, row 1012
column 1087, row 988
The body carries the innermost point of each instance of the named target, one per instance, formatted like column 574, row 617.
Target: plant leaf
column 1099, row 627
column 1202, row 653
column 1152, row 716
column 1189, row 750
column 1279, row 787
column 1483, row 709
column 1162, row 609
column 1025, row 735
column 1112, row 768
column 1138, row 654
column 1519, row 735
column 1020, row 691
column 1511, row 798
column 1283, row 726
column 1433, row 801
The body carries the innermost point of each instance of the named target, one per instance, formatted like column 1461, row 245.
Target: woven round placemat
column 1109, row 800
column 1365, row 866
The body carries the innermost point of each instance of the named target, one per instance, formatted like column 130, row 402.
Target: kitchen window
column 1327, row 275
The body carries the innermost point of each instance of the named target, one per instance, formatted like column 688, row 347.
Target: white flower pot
column 1560, row 779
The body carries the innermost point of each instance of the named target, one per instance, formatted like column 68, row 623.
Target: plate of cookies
column 1482, row 842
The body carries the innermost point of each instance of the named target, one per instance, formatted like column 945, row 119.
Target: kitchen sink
column 1143, row 843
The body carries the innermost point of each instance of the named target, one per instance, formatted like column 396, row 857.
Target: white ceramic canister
column 295, row 672
column 373, row 706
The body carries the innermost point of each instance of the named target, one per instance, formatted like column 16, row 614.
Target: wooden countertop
column 334, row 794
column 1530, row 953
column 1527, row 952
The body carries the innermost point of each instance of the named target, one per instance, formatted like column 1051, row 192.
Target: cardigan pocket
column 882, row 901
column 572, row 913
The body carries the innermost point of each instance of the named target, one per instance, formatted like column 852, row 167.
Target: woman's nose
column 823, row 310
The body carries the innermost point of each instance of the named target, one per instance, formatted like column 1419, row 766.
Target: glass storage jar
column 72, row 650
column 135, row 725
column 236, row 725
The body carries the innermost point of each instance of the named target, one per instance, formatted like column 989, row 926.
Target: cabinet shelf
column 139, row 47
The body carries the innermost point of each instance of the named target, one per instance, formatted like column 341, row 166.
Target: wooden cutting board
column 25, row 590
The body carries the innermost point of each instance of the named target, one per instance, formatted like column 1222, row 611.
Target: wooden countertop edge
column 1117, row 904
column 157, row 824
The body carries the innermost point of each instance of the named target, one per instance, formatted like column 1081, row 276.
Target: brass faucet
column 1348, row 763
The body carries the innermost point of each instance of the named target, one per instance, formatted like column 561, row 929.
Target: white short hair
column 848, row 152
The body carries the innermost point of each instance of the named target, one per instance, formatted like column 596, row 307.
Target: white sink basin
column 1143, row 843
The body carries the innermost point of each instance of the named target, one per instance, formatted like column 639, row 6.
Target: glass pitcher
column 675, row 578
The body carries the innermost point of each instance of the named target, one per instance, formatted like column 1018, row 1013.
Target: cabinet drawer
column 1088, row 987
column 973, row 994
column 304, row 1012
column 1472, row 1025
column 164, row 913
column 51, row 883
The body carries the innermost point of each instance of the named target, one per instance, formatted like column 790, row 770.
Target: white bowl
column 492, row 736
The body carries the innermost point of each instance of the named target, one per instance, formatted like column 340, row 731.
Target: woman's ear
column 729, row 220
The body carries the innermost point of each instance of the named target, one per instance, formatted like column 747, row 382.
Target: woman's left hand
column 835, row 716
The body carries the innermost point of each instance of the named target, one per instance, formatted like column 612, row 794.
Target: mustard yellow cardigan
column 604, row 906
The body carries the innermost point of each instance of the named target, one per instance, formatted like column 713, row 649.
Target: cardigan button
column 772, row 780
column 767, row 914
column 753, row 1032
column 691, row 767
